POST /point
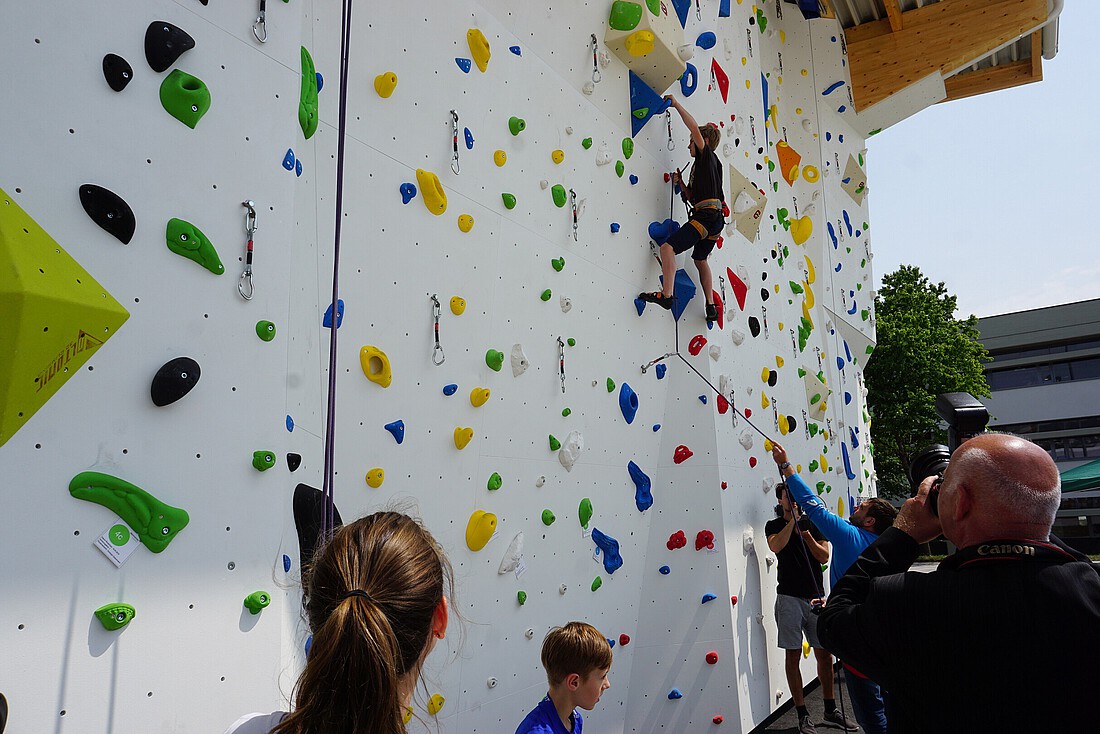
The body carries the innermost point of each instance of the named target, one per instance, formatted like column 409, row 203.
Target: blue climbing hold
column 309, row 644
column 327, row 323
column 298, row 168
column 656, row 427
column 703, row 399
column 628, row 402
column 852, row 312
column 408, row 191
column 847, row 462
column 659, row 232
column 288, row 159
column 847, row 222
column 706, row 40
column 682, row 7
column 469, row 138
column 633, row 181
column 832, row 88
column 675, row 694
column 320, row 81
column 832, row 235
column 612, row 561
column 689, row 80
column 289, row 423
column 665, row 570
column 683, row 290
column 847, row 398
column 643, row 496
column 450, row 390
column 515, row 50
column 640, row 305
column 286, row 563
column 644, row 104
column 397, row 428
column 610, row 642
column 708, row 597
column 661, row 370
column 614, row 227
column 853, row 437
column 464, row 64
column 724, row 9
column 847, row 351
column 840, row 363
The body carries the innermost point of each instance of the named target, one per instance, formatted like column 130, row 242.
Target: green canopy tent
column 1086, row 476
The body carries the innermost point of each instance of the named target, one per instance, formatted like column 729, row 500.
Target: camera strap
column 1012, row 551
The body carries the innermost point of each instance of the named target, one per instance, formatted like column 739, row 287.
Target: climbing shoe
column 712, row 313
column 657, row 297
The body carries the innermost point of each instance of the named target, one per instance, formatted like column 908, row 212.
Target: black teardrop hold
column 117, row 71
column 109, row 211
column 174, row 380
column 293, row 461
column 164, row 43
column 754, row 326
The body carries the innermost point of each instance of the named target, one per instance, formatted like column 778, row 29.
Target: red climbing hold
column 723, row 485
column 725, row 211
column 682, row 454
column 704, row 539
column 748, row 412
column 720, row 241
column 712, row 658
column 696, row 344
column 722, row 404
column 624, row 639
column 733, row 600
column 752, row 462
column 721, row 78
column 717, row 719
column 740, row 288
column 719, row 305
column 668, row 176
column 676, row 540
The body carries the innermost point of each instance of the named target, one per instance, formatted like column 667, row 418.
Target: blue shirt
column 848, row 540
column 544, row 719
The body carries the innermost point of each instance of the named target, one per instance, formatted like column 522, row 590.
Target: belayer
column 703, row 194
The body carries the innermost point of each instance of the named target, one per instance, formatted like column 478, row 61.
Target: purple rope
column 329, row 512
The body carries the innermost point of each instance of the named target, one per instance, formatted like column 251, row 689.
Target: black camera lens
column 928, row 462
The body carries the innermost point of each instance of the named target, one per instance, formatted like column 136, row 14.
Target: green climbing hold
column 620, row 169
column 654, row 6
column 571, row 342
column 555, row 444
column 184, row 238
column 257, row 600
column 795, row 287
column 494, row 359
column 155, row 522
column 628, row 148
column 801, row 372
column 509, row 200
column 820, row 487
column 815, row 399
column 494, row 482
column 625, row 16
column 610, row 385
column 545, row 295
column 584, row 512
column 641, row 113
column 558, row 263
column 265, row 330
column 115, row 616
column 516, row 125
column 184, row 97
column 521, row 597
column 586, row 143
column 597, row 583
column 307, row 105
column 263, row 460
column 566, row 412
column 548, row 518
column 813, row 465
column 558, row 192
column 865, row 314
column 761, row 20
column 813, row 429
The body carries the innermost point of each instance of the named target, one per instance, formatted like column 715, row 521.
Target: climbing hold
column 571, row 341
column 558, row 263
column 515, row 50
column 639, row 305
column 185, row 239
column 625, row 16
column 643, row 496
column 117, row 71
column 557, row 156
column 706, row 40
column 293, row 461
column 558, row 192
column 548, row 518
column 288, row 159
column 256, row 601
column 704, row 539
column 469, row 138
column 450, row 390
column 478, row 396
column 458, row 305
column 408, row 192
column 752, row 462
column 665, row 570
column 620, row 169
column 703, row 399
column 519, row 360
column 628, row 148
column 376, row 365
column 676, row 540
column 566, row 412
column 184, row 97
column 435, row 704
column 115, row 616
column 610, row 385
column 614, row 227
column 521, row 597
column 586, row 143
column 307, row 103
column 801, row 229
column 733, row 600
column 566, row 306
column 109, row 211
column 708, row 597
column 512, row 556
column 265, row 330
column 628, row 402
column 661, row 369
column 509, row 200
column 480, row 529
column 624, row 639
column 494, row 482
column 682, row 454
column 500, row 158
column 464, row 64
column 721, row 79
column 609, row 549
column 164, row 43
column 375, row 477
column 696, row 344
column 494, row 359
column 397, row 430
column 463, row 437
column 155, row 522
column 584, row 512
column 639, row 43
column 384, row 84
column 689, row 80
column 435, row 198
column 571, row 450
column 603, row 155
column 516, row 125
column 597, row 583
column 263, row 460
column 555, row 444
column 712, row 659
column 479, row 48
column 545, row 295
column 173, row 380
column 715, row 352
column 675, row 694
column 811, row 173
column 465, row 222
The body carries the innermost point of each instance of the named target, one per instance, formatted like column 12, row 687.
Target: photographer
column 1003, row 636
column 849, row 538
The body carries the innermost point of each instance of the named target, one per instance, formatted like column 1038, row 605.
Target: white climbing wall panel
column 194, row 658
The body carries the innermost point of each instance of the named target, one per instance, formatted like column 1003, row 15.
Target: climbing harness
column 259, row 28
column 244, row 285
column 438, row 353
column 454, row 141
column 573, row 206
column 668, row 121
column 561, row 363
column 596, row 76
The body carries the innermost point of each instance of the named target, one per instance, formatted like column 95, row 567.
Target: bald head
column 1005, row 487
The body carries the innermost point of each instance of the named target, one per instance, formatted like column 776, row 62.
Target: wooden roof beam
column 893, row 12
column 1003, row 76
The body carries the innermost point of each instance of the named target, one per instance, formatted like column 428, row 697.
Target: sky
column 996, row 195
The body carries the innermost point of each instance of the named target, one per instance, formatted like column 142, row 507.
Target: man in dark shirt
column 704, row 191
column 801, row 549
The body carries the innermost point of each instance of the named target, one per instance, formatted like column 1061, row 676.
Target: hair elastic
column 358, row 592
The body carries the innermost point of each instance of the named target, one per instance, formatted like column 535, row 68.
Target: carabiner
column 573, row 206
column 561, row 363
column 668, row 119
column 454, row 141
column 244, row 285
column 259, row 28
column 596, row 76
column 438, row 352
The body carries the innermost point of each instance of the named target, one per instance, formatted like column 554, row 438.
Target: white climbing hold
column 748, row 540
column 541, row 480
column 724, row 384
column 768, row 485
column 738, row 336
column 580, row 207
column 589, row 87
column 568, row 129
column 605, row 58
column 566, row 304
column 739, row 123
column 512, row 556
column 745, row 439
column 603, row 155
column 730, row 314
column 491, row 682
column 519, row 360
column 728, row 149
column 807, row 125
column 562, row 589
column 544, row 184
column 571, row 450
column 686, row 52
column 743, row 203
column 530, row 633
column 715, row 352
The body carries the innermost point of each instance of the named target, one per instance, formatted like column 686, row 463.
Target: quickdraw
column 259, row 28
column 596, row 76
column 573, row 206
column 454, row 141
column 561, row 363
column 244, row 285
column 668, row 122
column 437, row 355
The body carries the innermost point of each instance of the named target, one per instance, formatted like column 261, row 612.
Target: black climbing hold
column 764, row 294
column 174, row 380
column 309, row 507
column 773, row 378
column 293, row 461
column 763, row 275
column 754, row 326
column 791, row 423
column 109, row 211
column 164, row 43
column 117, row 71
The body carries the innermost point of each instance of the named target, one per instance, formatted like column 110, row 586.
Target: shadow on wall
column 755, row 645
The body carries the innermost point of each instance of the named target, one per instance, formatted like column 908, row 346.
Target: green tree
column 922, row 351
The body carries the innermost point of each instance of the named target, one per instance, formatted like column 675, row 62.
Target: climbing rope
column 573, row 206
column 561, row 363
column 596, row 76
column 259, row 28
column 244, row 285
column 438, row 353
column 454, row 141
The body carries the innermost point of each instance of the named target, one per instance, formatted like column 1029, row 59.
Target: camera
column 966, row 417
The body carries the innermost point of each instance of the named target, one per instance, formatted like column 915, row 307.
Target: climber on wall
column 704, row 194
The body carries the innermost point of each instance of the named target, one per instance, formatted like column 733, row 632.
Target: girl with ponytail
column 376, row 602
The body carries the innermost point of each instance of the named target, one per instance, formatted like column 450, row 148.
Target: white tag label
column 117, row 542
column 521, row 568
column 712, row 550
column 586, row 532
column 596, row 554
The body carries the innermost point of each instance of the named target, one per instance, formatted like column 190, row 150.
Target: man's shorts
column 794, row 618
column 705, row 223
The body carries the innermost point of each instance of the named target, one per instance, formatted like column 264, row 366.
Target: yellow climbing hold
column 408, row 714
column 808, row 295
column 480, row 529
column 435, row 198
column 801, row 229
column 557, row 156
column 479, row 48
column 778, row 359
column 375, row 477
column 840, row 507
column 376, row 365
column 500, row 158
column 811, row 271
column 764, row 373
column 764, row 402
column 784, row 425
column 463, row 437
column 824, row 463
column 465, row 222
column 435, row 703
column 639, row 43
column 811, row 173
column 748, row 84
column 805, row 72
column 458, row 305
column 744, row 61
column 768, row 445
column 384, row 84
column 478, row 396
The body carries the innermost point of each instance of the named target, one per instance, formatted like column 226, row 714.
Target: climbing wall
column 514, row 437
